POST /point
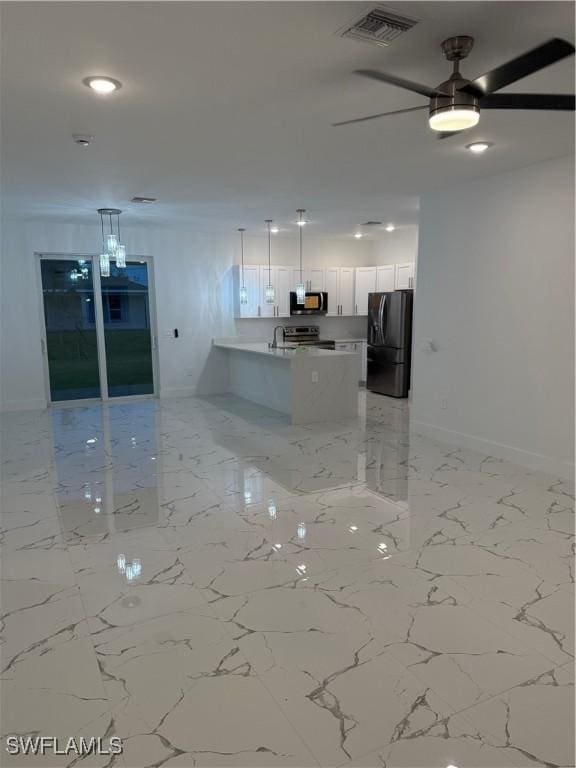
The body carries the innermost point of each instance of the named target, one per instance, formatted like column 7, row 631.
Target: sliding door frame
column 99, row 323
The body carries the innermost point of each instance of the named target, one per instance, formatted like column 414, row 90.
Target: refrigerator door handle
column 381, row 320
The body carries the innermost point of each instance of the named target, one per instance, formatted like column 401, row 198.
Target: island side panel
column 333, row 397
column 262, row 379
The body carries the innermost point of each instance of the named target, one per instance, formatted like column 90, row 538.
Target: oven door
column 315, row 303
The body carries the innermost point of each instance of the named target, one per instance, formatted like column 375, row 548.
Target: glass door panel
column 127, row 334
column 71, row 344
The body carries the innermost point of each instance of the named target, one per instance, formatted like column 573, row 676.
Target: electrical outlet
column 314, row 377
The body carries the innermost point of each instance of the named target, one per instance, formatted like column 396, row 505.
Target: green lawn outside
column 73, row 358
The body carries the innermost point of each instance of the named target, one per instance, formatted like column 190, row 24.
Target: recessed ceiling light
column 478, row 147
column 102, row 85
column 358, row 235
column 389, row 227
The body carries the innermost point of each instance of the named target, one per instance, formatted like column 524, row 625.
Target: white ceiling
column 225, row 109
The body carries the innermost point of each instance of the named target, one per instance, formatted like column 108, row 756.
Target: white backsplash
column 261, row 329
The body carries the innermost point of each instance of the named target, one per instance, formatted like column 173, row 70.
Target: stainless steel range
column 306, row 336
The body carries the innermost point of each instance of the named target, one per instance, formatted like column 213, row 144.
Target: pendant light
column 269, row 293
column 300, row 288
column 243, row 289
column 112, row 248
column 120, row 249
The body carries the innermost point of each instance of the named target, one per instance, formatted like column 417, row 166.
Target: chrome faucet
column 274, row 344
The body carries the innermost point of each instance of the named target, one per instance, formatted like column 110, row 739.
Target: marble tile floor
column 219, row 588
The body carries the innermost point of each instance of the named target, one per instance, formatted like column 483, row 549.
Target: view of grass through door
column 126, row 312
column 71, row 345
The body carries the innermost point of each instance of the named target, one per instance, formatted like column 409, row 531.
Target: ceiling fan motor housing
column 451, row 98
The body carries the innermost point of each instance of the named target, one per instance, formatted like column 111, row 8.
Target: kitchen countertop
column 262, row 348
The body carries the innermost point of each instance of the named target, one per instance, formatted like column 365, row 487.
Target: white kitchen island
column 306, row 383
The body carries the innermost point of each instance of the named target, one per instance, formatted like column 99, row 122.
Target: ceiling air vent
column 372, row 224
column 379, row 26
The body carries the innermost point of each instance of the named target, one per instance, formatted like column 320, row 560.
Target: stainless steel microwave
column 315, row 303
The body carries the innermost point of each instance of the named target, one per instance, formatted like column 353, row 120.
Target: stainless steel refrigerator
column 389, row 342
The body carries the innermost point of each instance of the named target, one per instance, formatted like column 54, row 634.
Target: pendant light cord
column 102, row 226
column 300, row 212
column 268, row 223
column 241, row 230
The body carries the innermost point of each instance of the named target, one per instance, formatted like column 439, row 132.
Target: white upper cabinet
column 404, row 276
column 316, row 279
column 339, row 284
column 346, row 292
column 332, row 287
column 365, row 284
column 280, row 279
column 312, row 277
column 385, row 278
column 347, row 287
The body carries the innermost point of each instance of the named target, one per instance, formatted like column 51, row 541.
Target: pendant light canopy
column 269, row 293
column 243, row 289
column 112, row 248
column 300, row 288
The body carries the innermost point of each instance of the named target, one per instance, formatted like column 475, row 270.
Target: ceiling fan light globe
column 454, row 119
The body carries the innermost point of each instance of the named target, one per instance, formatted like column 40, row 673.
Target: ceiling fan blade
column 447, row 134
column 399, row 82
column 522, row 66
column 552, row 101
column 380, row 114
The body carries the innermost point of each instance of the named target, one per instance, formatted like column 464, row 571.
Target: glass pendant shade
column 300, row 293
column 105, row 265
column 111, row 244
column 269, row 294
column 243, row 294
column 121, row 256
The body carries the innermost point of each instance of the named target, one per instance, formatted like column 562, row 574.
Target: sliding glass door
column 99, row 330
column 127, row 337
column 71, row 346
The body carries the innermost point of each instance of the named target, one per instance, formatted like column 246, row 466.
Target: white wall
column 495, row 291
column 388, row 248
column 316, row 251
column 397, row 247
column 193, row 294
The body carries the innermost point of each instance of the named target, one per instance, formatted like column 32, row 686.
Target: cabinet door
column 385, row 277
column 252, row 283
column 316, row 278
column 283, row 288
column 331, row 286
column 404, row 276
column 346, row 291
column 267, row 310
column 365, row 284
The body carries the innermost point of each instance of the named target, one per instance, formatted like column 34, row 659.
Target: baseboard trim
column 24, row 405
column 535, row 461
column 177, row 392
